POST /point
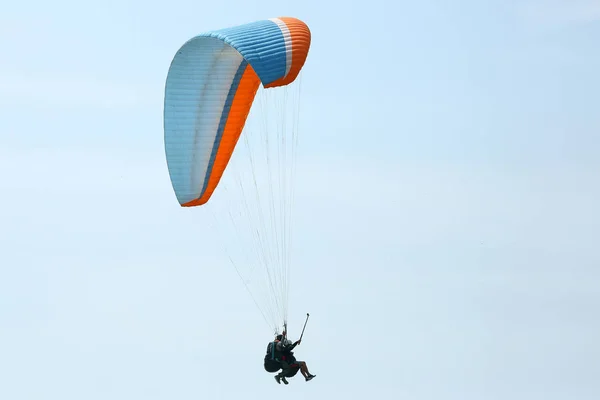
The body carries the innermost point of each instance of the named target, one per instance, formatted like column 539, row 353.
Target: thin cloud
column 68, row 92
column 560, row 12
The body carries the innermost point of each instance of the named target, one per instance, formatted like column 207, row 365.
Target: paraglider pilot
column 280, row 355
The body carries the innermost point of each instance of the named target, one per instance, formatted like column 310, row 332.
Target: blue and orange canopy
column 210, row 87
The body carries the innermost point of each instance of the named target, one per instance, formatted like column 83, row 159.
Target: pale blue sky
column 447, row 213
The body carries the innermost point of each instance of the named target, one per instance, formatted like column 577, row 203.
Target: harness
column 273, row 346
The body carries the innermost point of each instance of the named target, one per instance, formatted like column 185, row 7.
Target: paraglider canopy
column 211, row 84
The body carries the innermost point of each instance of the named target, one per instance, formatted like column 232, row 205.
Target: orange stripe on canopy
column 300, row 44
